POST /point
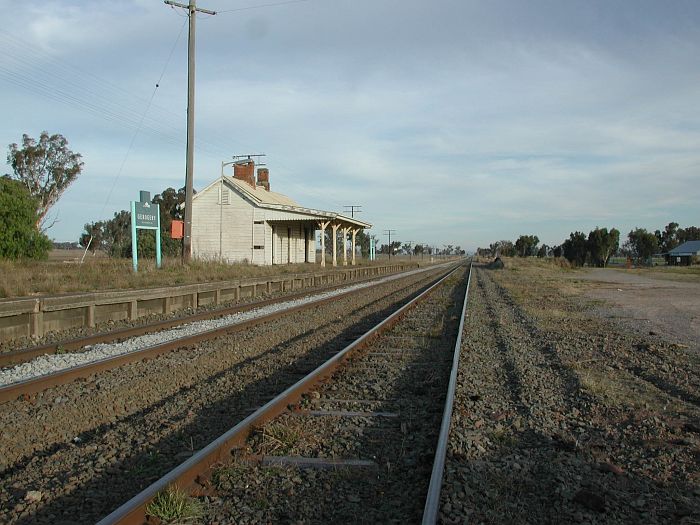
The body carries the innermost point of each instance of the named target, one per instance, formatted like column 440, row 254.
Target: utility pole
column 353, row 208
column 192, row 10
column 389, row 232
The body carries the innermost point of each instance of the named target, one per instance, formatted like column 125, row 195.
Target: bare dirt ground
column 647, row 303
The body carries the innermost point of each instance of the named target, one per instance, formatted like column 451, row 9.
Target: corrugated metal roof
column 687, row 248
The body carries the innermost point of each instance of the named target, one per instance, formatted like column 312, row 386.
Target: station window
column 258, row 247
column 258, row 222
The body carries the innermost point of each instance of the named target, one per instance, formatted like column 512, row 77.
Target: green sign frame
column 145, row 216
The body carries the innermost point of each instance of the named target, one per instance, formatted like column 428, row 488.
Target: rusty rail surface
column 133, row 512
column 40, row 383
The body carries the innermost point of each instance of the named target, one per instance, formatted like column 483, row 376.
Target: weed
column 279, row 437
column 153, row 457
column 437, row 329
column 503, row 438
column 261, row 503
column 174, row 506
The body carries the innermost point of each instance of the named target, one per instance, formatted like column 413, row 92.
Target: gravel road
column 561, row 417
column 75, row 452
column 647, row 303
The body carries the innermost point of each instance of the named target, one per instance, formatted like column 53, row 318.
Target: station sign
column 145, row 216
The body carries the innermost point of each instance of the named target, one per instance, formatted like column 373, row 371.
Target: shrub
column 19, row 237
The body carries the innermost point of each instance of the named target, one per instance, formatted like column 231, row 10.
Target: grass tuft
column 281, row 438
column 174, row 506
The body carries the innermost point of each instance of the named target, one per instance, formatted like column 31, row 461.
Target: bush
column 19, row 236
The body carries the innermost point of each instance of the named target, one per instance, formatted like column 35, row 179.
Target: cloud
column 462, row 122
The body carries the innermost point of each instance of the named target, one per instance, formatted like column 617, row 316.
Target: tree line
column 113, row 236
column 598, row 246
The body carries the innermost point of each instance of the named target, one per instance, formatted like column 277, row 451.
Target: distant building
column 239, row 219
column 684, row 254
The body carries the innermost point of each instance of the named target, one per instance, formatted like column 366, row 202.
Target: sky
column 451, row 122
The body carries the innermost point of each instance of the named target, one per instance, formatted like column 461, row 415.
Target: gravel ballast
column 47, row 364
column 89, row 445
column 562, row 417
column 378, row 417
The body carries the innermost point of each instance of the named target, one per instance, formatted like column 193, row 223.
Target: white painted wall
column 283, row 240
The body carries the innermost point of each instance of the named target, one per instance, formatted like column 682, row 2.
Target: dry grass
column 282, row 437
column 620, row 388
column 670, row 273
column 24, row 278
column 546, row 264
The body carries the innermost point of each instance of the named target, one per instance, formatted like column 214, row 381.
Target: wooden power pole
column 192, row 10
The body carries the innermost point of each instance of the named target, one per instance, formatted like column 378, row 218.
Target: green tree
column 526, row 245
column 93, row 236
column 642, row 244
column 169, row 202
column 46, row 168
column 544, row 251
column 19, row 237
column 117, row 234
column 667, row 239
column 503, row 248
column 602, row 244
column 575, row 248
column 691, row 233
column 362, row 240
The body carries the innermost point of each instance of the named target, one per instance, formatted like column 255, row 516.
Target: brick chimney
column 245, row 171
column 264, row 178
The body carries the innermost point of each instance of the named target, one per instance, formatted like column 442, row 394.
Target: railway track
column 69, row 366
column 361, row 438
column 22, row 355
column 90, row 444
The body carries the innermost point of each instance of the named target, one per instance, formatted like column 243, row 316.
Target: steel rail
column 432, row 501
column 16, row 357
column 133, row 512
column 39, row 383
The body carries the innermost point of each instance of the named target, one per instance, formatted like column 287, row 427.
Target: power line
column 138, row 128
column 263, row 5
column 133, row 138
column 51, row 77
column 354, row 208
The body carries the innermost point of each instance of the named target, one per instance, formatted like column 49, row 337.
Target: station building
column 239, row 219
